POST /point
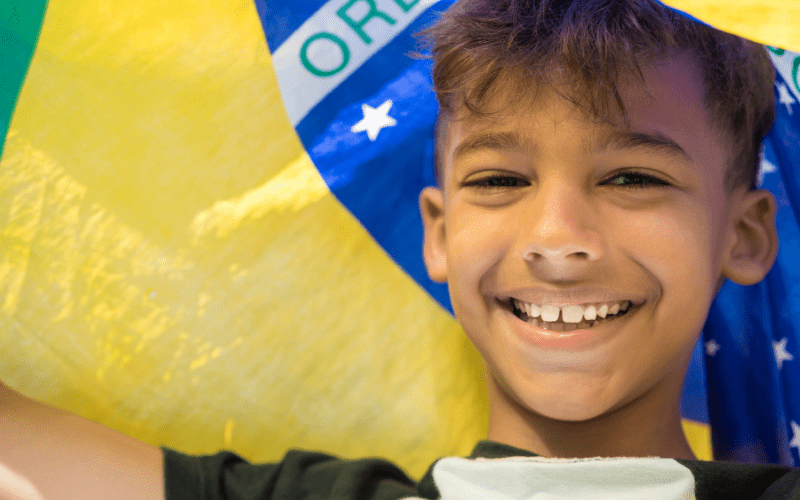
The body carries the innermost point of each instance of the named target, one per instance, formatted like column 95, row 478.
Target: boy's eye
column 495, row 182
column 634, row 180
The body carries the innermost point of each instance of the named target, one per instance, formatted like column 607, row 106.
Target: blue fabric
column 752, row 401
column 738, row 388
column 284, row 18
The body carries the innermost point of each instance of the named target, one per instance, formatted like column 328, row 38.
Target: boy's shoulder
column 742, row 480
column 493, row 470
column 299, row 475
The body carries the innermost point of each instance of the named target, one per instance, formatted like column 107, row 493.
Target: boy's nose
column 561, row 229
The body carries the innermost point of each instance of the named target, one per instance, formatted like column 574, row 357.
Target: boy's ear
column 431, row 206
column 755, row 240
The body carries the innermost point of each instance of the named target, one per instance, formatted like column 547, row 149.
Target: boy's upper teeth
column 573, row 313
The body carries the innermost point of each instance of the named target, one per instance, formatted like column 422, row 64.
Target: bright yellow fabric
column 173, row 266
column 772, row 22
column 699, row 437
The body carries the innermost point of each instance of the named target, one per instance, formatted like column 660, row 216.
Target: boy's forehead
column 665, row 109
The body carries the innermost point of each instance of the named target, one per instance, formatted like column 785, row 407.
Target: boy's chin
column 569, row 411
column 575, row 413
column 576, row 404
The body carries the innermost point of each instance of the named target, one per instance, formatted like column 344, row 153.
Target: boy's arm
column 49, row 454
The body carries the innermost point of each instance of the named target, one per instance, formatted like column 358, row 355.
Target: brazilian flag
column 209, row 234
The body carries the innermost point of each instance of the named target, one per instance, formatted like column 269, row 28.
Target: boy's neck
column 647, row 427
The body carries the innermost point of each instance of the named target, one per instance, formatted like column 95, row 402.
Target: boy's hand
column 49, row 454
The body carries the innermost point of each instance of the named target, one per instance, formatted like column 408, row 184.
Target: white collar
column 539, row 478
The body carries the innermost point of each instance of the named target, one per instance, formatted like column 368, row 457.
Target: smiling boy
column 569, row 195
column 596, row 162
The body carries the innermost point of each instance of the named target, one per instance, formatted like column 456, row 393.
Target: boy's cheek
column 475, row 242
column 670, row 238
column 678, row 252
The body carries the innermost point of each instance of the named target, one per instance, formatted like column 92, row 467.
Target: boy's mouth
column 570, row 317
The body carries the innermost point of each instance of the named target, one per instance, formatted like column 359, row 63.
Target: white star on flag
column 374, row 119
column 780, row 352
column 786, row 97
column 765, row 167
column 795, row 443
column 712, row 347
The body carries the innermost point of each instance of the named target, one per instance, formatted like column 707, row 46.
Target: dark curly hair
column 583, row 47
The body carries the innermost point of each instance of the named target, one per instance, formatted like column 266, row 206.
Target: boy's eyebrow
column 617, row 139
column 628, row 139
column 496, row 141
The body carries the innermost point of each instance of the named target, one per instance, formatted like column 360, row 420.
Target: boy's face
column 545, row 207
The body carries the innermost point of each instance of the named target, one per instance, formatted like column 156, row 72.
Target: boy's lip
column 570, row 296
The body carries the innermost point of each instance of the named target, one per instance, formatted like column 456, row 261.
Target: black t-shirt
column 493, row 471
